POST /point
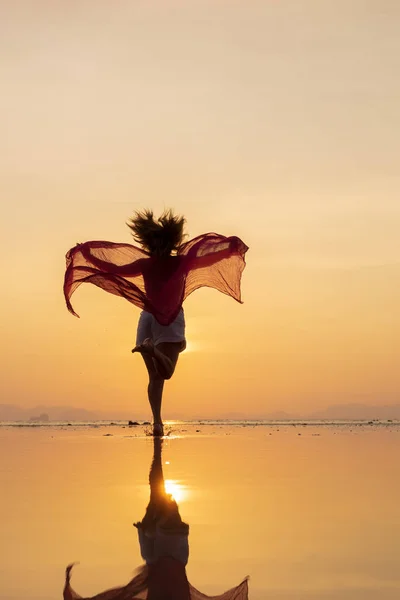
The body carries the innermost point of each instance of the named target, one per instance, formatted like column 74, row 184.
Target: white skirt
column 149, row 327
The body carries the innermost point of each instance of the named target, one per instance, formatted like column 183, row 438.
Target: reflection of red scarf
column 172, row 584
column 157, row 285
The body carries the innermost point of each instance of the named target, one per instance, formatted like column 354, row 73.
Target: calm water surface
column 306, row 512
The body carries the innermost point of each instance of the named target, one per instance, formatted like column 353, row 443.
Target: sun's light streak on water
column 178, row 491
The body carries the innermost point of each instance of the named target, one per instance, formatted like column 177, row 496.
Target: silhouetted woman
column 164, row 546
column 157, row 278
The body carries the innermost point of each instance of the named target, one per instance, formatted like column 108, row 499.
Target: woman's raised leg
column 164, row 355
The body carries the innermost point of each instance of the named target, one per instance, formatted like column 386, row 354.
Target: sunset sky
column 274, row 121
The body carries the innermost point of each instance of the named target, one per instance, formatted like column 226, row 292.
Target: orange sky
column 277, row 122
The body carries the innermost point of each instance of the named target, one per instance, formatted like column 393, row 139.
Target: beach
column 306, row 511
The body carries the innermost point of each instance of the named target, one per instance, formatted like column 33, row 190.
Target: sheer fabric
column 137, row 589
column 157, row 285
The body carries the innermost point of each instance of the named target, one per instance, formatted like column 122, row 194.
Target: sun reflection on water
column 177, row 490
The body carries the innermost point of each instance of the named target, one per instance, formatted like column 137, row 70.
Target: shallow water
column 305, row 511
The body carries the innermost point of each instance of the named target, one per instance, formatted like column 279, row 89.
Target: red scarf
column 157, row 285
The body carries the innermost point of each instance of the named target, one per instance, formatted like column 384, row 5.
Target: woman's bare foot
column 147, row 347
column 158, row 430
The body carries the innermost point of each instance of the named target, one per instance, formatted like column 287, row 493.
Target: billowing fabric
column 157, row 285
column 137, row 588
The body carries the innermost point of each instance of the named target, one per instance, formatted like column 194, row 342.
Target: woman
column 157, row 278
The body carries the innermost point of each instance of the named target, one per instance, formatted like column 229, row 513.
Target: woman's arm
column 128, row 270
column 213, row 250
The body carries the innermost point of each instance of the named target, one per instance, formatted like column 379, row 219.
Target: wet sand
column 306, row 512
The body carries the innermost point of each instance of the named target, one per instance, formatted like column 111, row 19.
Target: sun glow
column 176, row 489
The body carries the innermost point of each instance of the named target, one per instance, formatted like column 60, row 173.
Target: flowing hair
column 160, row 237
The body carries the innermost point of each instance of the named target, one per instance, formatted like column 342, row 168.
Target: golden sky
column 274, row 121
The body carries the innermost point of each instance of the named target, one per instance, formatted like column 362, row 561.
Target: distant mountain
column 278, row 415
column 42, row 418
column 357, row 411
column 12, row 412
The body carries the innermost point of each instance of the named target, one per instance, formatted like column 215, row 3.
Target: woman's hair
column 160, row 236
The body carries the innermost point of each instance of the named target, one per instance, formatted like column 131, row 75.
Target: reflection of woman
column 157, row 278
column 163, row 538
